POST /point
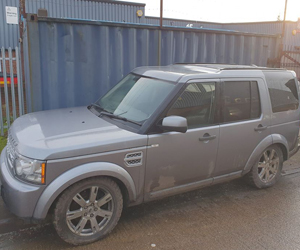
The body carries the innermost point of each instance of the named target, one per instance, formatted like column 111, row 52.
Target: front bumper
column 19, row 197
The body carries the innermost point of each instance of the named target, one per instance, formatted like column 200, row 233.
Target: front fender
column 266, row 142
column 55, row 188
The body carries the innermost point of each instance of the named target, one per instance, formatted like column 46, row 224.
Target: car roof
column 174, row 72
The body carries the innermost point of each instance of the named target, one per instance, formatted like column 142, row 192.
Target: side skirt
column 192, row 186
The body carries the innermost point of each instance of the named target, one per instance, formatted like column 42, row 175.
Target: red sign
column 8, row 80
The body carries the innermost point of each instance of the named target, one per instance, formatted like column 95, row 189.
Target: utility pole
column 282, row 35
column 283, row 24
column 161, row 14
column 159, row 33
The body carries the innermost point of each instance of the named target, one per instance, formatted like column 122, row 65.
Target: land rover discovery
column 160, row 131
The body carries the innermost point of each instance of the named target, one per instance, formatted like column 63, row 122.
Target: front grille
column 10, row 151
column 134, row 159
column 12, row 140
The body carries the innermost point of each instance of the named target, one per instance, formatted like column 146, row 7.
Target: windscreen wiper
column 95, row 105
column 117, row 117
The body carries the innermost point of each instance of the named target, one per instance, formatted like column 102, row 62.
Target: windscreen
column 135, row 97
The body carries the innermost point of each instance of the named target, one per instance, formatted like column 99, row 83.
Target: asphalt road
column 226, row 216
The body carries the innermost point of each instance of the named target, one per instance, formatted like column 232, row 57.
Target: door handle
column 207, row 137
column 260, row 128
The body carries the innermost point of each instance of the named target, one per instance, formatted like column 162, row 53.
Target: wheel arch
column 273, row 139
column 85, row 171
column 281, row 141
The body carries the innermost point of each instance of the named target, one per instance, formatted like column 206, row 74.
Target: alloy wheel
column 268, row 165
column 90, row 211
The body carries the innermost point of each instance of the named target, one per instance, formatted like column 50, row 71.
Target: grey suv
column 160, row 131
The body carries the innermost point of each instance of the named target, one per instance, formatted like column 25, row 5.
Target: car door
column 245, row 122
column 177, row 161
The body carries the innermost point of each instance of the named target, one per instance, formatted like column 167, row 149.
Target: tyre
column 88, row 210
column 267, row 170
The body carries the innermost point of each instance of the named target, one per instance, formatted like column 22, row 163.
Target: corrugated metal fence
column 72, row 63
column 11, row 88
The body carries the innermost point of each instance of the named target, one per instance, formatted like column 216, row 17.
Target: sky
column 224, row 10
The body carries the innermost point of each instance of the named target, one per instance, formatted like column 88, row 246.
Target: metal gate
column 11, row 88
column 290, row 59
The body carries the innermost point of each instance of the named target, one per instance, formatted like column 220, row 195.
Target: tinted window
column 255, row 101
column 283, row 91
column 196, row 104
column 241, row 101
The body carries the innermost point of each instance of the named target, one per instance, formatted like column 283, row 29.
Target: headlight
column 30, row 170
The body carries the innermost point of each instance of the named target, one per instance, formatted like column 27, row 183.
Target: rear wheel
column 88, row 210
column 266, row 172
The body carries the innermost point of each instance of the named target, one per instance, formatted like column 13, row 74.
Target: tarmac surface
column 226, row 216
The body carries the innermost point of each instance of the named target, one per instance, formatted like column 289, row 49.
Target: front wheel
column 88, row 210
column 266, row 172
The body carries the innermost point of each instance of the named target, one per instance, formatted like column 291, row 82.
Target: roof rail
column 205, row 63
column 242, row 67
column 254, row 68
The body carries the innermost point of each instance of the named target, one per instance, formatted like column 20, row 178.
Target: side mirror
column 175, row 123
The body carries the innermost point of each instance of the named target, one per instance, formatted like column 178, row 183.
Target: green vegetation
column 3, row 141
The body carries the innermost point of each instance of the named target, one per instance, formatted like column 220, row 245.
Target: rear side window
column 241, row 101
column 283, row 91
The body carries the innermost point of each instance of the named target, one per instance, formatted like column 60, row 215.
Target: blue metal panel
column 80, row 62
column 9, row 33
column 73, row 62
column 92, row 10
column 211, row 47
column 290, row 41
column 80, row 9
column 182, row 23
column 261, row 27
column 125, row 12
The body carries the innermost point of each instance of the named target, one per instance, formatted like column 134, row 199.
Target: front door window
column 196, row 104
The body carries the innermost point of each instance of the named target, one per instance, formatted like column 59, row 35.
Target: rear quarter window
column 283, row 91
